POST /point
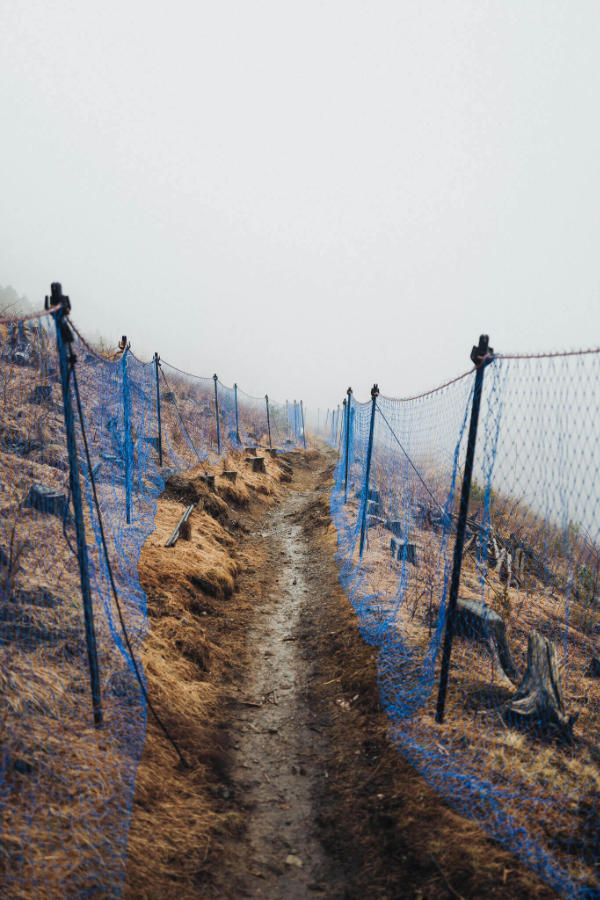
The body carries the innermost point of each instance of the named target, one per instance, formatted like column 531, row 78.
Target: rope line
column 417, row 473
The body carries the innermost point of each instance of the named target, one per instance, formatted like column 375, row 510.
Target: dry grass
column 554, row 785
column 66, row 788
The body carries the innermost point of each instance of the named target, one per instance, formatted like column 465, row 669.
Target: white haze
column 301, row 196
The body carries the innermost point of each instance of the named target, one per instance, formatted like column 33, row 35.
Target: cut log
column 183, row 528
column 476, row 621
column 399, row 549
column 258, row 463
column 538, row 702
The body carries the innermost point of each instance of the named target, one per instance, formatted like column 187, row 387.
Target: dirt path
column 279, row 746
column 295, row 789
column 329, row 807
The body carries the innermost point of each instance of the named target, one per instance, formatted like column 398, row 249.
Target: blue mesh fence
column 518, row 745
column 66, row 788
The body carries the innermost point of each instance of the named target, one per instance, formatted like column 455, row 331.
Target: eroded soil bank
column 295, row 790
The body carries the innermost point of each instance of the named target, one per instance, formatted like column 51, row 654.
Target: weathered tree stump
column 538, row 702
column 258, row 463
column 42, row 394
column 399, row 549
column 476, row 621
column 274, row 452
column 209, row 480
column 47, row 500
column 250, row 451
column 373, row 508
column 396, row 527
column 230, row 474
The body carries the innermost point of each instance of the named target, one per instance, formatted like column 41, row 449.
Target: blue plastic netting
column 66, row 788
column 518, row 747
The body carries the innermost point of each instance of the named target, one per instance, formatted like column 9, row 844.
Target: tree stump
column 476, row 621
column 538, row 702
column 47, row 500
column 396, row 527
column 209, row 480
column 230, row 474
column 42, row 394
column 258, row 463
column 250, row 451
column 399, row 549
column 274, row 452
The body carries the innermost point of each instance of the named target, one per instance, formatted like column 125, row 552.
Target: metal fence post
column 64, row 339
column 302, row 420
column 127, row 431
column 295, row 421
column 481, row 356
column 215, row 378
column 156, row 368
column 348, row 404
column 374, row 396
column 268, row 420
column 237, row 418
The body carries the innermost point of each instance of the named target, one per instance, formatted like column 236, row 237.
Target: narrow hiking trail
column 279, row 743
column 296, row 789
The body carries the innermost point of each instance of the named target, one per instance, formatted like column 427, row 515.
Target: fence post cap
column 482, row 351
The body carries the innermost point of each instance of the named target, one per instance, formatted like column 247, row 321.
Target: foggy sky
column 302, row 196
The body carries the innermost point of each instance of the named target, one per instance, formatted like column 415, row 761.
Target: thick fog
column 305, row 195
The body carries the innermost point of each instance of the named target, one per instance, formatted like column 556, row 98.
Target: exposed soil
column 296, row 790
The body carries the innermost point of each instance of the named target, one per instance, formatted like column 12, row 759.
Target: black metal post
column 156, row 368
column 217, row 415
column 237, row 419
column 374, row 396
column 127, row 433
column 268, row 420
column 481, row 356
column 302, row 420
column 348, row 404
column 64, row 339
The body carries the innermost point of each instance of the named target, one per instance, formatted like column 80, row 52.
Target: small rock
column 294, row 770
column 292, row 860
column 295, row 581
